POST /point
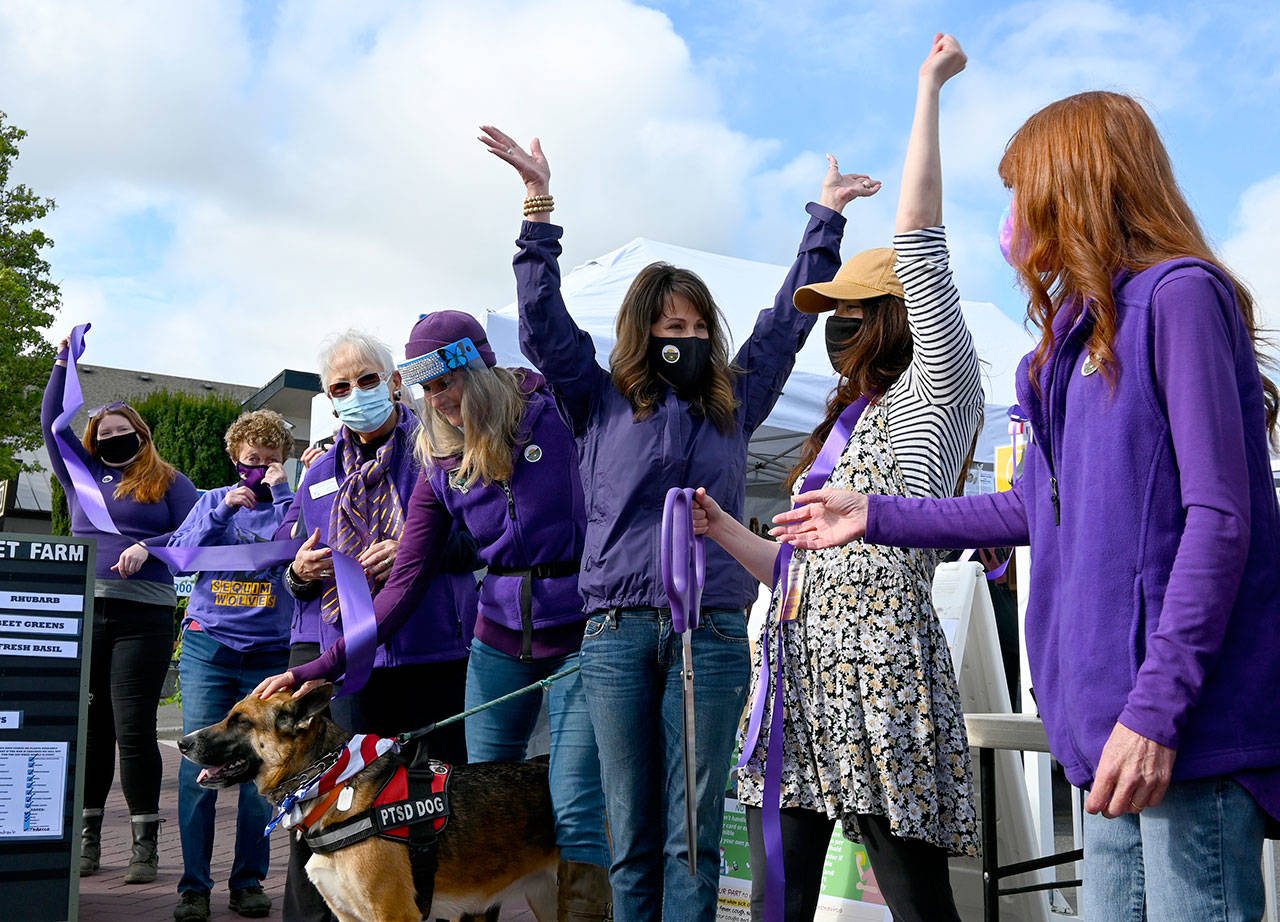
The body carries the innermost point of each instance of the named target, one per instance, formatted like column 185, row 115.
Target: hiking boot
column 584, row 893
column 250, row 902
column 146, row 856
column 193, row 906
column 90, row 842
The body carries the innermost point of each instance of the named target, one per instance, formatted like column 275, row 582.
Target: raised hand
column 946, row 59
column 827, row 518
column 275, row 474
column 839, row 189
column 311, row 563
column 240, row 498
column 532, row 165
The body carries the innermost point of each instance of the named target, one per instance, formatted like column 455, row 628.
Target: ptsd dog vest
column 412, row 806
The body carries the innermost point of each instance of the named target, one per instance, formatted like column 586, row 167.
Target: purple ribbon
column 771, row 812
column 359, row 624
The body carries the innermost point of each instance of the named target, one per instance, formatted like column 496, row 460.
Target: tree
column 188, row 431
column 28, row 301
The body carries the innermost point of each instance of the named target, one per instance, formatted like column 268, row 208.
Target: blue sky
column 238, row 179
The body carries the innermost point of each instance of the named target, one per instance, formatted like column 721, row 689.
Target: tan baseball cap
column 868, row 275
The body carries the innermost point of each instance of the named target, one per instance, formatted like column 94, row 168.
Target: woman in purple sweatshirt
column 133, row 607
column 1151, row 514
column 675, row 409
column 498, row 459
column 235, row 634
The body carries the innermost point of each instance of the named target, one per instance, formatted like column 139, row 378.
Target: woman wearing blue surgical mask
column 354, row 498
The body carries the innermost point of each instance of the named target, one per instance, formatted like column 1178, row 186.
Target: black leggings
column 392, row 701
column 132, row 646
column 912, row 875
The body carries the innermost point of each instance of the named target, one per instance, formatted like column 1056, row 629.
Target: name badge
column 324, row 488
column 795, row 588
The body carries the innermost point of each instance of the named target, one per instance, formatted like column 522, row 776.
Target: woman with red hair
column 133, row 605
column 1150, row 510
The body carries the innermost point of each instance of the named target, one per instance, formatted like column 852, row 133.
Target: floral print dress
column 873, row 722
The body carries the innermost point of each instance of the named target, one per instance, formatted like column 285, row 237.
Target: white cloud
column 337, row 179
column 1251, row 250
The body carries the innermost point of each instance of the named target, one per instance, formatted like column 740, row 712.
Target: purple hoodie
column 627, row 465
column 1154, row 529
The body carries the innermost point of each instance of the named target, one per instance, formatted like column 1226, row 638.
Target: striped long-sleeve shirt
column 935, row 406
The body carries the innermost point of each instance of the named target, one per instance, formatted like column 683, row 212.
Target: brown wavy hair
column 646, row 300
column 1095, row 195
column 870, row 362
column 148, row 478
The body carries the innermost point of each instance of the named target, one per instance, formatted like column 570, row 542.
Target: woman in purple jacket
column 1151, row 514
column 133, row 605
column 497, row 458
column 673, row 410
column 369, row 475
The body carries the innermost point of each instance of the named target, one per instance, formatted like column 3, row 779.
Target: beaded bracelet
column 537, row 204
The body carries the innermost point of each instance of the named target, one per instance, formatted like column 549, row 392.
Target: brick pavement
column 105, row 897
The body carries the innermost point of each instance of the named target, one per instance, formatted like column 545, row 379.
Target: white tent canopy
column 742, row 288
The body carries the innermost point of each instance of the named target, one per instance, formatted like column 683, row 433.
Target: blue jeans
column 1195, row 858
column 501, row 734
column 631, row 669
column 214, row 677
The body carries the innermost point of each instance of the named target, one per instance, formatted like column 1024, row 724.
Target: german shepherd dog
column 498, row 844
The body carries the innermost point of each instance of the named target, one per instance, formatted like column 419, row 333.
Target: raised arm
column 828, row 518
column 558, row 348
column 780, row 332
column 920, row 201
column 50, row 410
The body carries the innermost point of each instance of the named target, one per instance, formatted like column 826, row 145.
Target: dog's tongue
column 204, row 773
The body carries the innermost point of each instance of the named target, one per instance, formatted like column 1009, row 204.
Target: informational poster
column 46, row 619
column 849, row 891
column 33, row 783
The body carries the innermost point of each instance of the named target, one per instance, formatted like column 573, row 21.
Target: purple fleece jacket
column 1153, row 524
column 148, row 523
column 536, row 518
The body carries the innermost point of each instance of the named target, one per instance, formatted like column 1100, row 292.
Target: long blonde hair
column 493, row 405
column 148, row 476
column 1094, row 195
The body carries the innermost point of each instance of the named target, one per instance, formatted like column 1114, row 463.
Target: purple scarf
column 366, row 510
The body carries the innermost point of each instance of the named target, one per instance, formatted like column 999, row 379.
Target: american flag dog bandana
column 362, row 750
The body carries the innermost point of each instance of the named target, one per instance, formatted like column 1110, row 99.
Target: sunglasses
column 364, row 382
column 107, row 407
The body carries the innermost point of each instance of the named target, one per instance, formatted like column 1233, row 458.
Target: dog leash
column 684, row 572
column 412, row 735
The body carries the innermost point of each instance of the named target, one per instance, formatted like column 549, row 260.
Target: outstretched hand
column 827, row 518
column 946, row 59
column 532, row 165
column 839, row 189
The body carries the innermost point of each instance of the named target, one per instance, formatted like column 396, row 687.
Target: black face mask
column 840, row 332
column 679, row 360
column 119, row 449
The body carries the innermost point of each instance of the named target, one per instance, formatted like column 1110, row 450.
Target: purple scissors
column 684, row 572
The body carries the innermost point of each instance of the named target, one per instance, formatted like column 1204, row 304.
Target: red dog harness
column 412, row 805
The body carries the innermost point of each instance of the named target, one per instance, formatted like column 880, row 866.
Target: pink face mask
column 1005, row 234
